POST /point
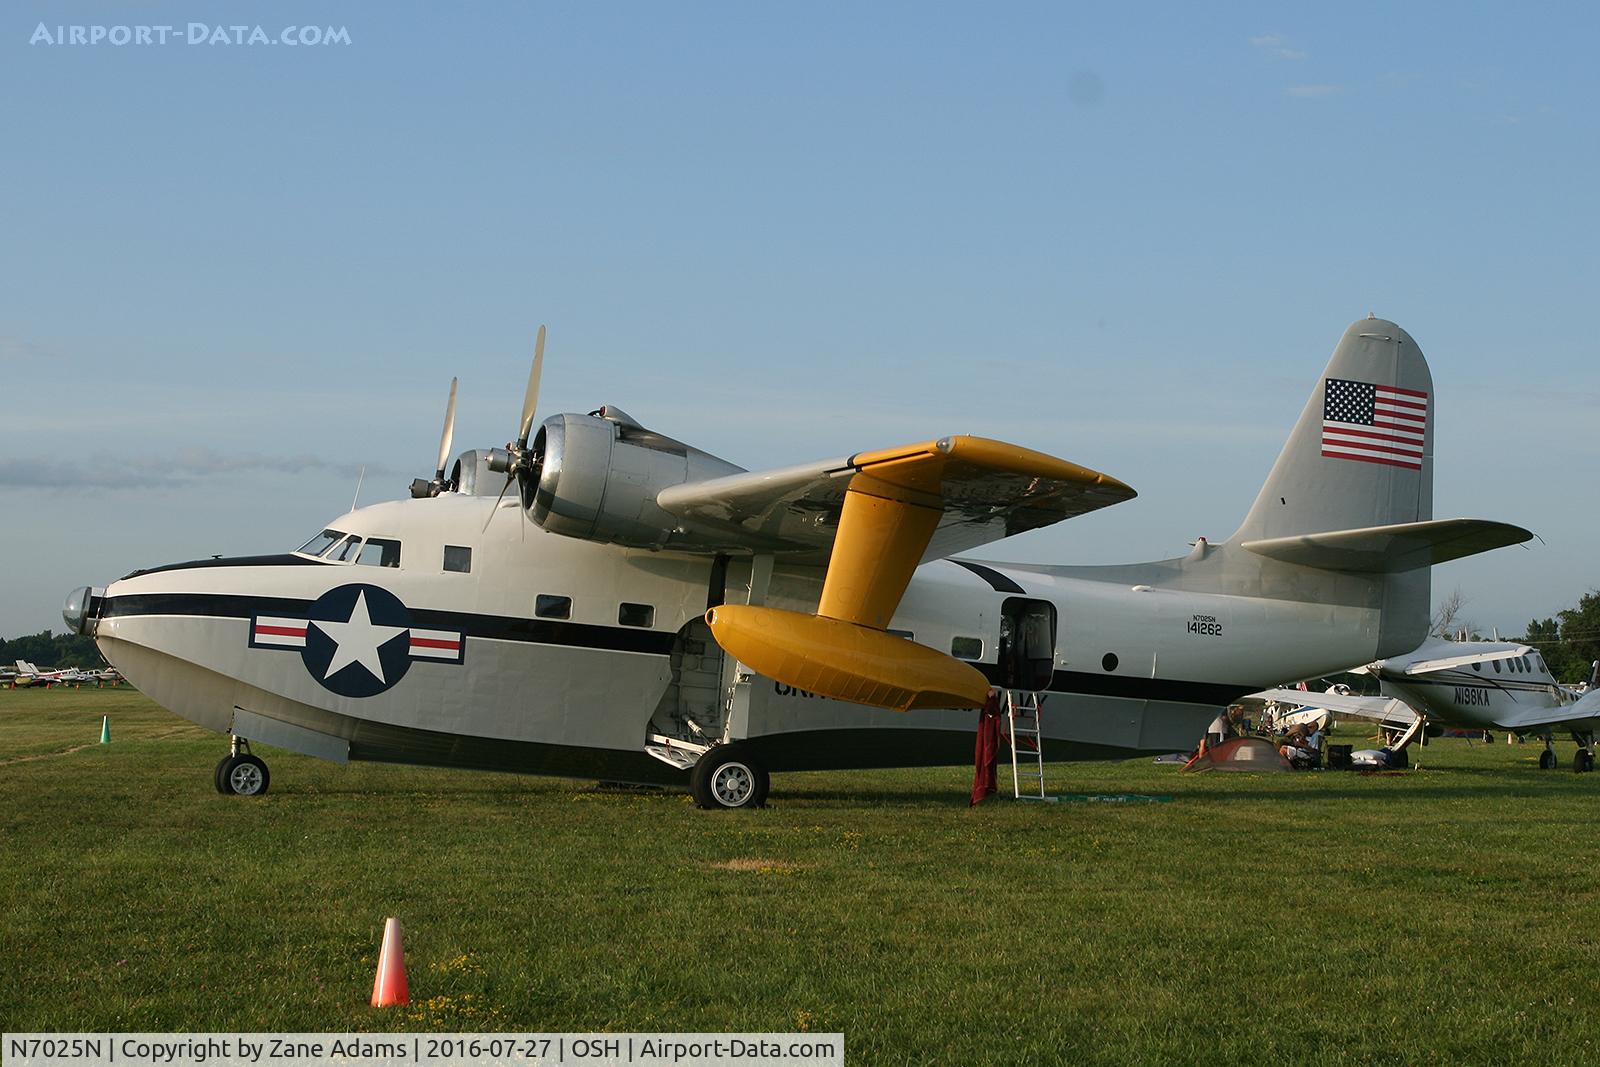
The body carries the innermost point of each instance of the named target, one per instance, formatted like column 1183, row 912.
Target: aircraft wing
column 982, row 490
column 1386, row 710
column 1582, row 716
column 1427, row 666
column 874, row 517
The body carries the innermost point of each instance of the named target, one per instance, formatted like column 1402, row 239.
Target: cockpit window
column 344, row 551
column 321, row 543
column 379, row 552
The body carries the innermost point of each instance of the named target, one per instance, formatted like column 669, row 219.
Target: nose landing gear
column 240, row 773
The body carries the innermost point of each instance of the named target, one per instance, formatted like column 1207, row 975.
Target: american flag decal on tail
column 1374, row 423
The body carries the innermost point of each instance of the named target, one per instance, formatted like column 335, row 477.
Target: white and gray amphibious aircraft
column 639, row 610
column 1472, row 685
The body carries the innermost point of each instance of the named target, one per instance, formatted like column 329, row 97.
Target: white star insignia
column 357, row 640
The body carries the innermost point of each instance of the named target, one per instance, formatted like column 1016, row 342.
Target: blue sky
column 232, row 276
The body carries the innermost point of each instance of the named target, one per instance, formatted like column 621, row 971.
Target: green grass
column 1439, row 915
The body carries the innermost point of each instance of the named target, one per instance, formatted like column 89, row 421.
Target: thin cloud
column 19, row 349
column 1314, row 92
column 186, row 468
column 1278, row 45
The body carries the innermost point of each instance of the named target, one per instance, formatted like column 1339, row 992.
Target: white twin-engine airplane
column 672, row 618
column 1472, row 685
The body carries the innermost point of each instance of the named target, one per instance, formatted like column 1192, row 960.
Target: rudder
column 1361, row 453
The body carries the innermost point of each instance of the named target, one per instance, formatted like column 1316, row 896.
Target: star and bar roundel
column 357, row 640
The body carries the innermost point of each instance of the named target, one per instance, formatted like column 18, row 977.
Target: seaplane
column 1468, row 685
column 597, row 599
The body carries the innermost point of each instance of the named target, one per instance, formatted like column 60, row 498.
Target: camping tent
column 1241, row 754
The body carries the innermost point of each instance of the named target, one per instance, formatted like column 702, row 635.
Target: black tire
column 1583, row 761
column 244, row 776
column 728, row 778
column 216, row 774
column 1547, row 760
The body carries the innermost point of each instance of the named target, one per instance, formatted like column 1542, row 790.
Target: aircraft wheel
column 244, row 776
column 216, row 774
column 1547, row 760
column 727, row 777
column 1583, row 761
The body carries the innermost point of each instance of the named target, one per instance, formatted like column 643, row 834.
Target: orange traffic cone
column 390, row 988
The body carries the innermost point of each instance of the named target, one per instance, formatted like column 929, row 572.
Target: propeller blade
column 497, row 500
column 449, row 431
column 531, row 399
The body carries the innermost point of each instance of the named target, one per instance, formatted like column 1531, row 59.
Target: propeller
column 449, row 431
column 420, row 488
column 517, row 461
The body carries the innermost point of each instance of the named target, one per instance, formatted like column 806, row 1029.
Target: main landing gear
column 727, row 777
column 240, row 773
column 1582, row 760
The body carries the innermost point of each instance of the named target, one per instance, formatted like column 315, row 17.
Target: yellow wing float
column 900, row 507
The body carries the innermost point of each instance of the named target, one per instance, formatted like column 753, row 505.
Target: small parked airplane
column 670, row 617
column 1473, row 685
column 27, row 674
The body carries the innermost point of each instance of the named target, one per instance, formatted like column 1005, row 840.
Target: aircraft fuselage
column 514, row 649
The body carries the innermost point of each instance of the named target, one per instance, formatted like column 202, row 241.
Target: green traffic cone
column 105, row 729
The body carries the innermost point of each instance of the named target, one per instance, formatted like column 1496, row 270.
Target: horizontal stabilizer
column 1405, row 546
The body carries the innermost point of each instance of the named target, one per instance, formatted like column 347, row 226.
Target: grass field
column 1437, row 915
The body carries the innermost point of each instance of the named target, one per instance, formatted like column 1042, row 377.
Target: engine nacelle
column 598, row 476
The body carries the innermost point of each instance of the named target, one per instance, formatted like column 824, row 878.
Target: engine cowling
column 598, row 475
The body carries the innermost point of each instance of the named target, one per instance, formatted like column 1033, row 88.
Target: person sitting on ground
column 1294, row 748
column 1238, row 725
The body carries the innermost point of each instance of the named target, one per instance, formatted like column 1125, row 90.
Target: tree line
column 47, row 650
column 1569, row 641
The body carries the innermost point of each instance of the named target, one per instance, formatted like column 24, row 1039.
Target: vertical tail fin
column 1362, row 453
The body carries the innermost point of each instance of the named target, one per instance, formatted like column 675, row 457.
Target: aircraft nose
column 81, row 609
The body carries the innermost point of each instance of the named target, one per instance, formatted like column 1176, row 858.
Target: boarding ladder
column 1025, row 736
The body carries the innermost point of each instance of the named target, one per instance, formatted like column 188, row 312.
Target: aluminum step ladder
column 1025, row 736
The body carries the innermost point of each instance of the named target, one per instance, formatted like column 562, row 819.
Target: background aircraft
column 1474, row 685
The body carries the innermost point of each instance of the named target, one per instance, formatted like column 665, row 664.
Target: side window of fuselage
column 636, row 614
column 457, row 558
column 379, row 552
column 548, row 606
